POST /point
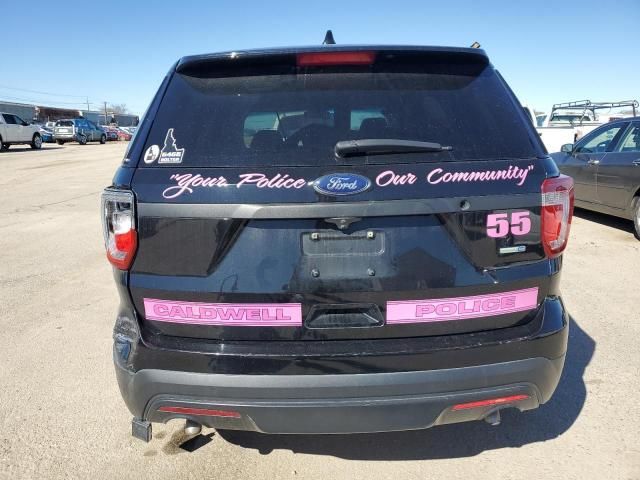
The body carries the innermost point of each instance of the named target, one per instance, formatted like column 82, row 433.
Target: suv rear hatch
column 64, row 128
column 251, row 225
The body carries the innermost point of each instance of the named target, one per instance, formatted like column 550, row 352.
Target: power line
column 21, row 99
column 42, row 93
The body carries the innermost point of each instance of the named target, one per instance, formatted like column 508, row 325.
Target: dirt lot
column 61, row 415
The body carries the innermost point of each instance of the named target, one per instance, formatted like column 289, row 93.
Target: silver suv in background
column 14, row 130
column 78, row 130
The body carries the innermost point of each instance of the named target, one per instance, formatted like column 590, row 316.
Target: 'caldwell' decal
column 226, row 314
column 443, row 309
column 170, row 152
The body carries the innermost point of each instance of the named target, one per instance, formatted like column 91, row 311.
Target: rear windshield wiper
column 385, row 146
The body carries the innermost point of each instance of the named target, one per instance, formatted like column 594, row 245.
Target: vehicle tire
column 103, row 139
column 36, row 142
column 636, row 216
column 3, row 146
column 60, row 142
column 82, row 139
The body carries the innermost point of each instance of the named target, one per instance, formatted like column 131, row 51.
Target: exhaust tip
column 192, row 428
column 493, row 418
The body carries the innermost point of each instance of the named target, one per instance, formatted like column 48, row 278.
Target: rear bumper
column 380, row 396
column 339, row 403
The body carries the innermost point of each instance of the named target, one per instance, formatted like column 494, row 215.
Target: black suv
column 336, row 239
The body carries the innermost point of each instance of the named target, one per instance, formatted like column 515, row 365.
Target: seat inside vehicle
column 267, row 140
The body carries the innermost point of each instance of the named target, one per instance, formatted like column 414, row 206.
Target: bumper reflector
column 205, row 412
column 491, row 402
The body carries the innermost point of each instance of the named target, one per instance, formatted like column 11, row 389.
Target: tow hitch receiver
column 141, row 429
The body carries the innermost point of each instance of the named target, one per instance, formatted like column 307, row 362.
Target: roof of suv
column 194, row 60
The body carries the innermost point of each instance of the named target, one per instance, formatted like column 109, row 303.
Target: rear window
column 64, row 123
column 296, row 119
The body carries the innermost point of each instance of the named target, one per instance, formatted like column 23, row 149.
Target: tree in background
column 119, row 108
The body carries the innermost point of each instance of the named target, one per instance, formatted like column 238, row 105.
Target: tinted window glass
column 9, row 119
column 599, row 141
column 360, row 116
column 297, row 119
column 570, row 118
column 64, row 123
column 631, row 141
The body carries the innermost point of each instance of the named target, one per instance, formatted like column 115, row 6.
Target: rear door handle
column 593, row 162
column 636, row 162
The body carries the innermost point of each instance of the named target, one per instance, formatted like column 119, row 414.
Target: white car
column 14, row 130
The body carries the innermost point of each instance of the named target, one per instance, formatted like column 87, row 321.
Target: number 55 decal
column 499, row 226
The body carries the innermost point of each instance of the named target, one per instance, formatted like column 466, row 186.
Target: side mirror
column 567, row 148
column 25, row 124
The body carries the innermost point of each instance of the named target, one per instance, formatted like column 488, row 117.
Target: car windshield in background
column 569, row 118
column 298, row 119
column 64, row 123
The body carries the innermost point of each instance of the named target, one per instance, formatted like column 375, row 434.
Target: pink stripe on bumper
column 225, row 314
column 460, row 308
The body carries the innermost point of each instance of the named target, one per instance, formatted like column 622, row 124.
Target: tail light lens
column 557, row 212
column 118, row 222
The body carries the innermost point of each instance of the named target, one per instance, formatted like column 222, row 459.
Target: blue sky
column 119, row 51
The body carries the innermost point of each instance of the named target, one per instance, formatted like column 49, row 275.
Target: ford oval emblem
column 341, row 184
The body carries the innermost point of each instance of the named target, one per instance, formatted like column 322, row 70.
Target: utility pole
column 87, row 104
column 106, row 122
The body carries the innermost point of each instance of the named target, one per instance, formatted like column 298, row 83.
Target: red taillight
column 314, row 59
column 556, row 215
column 490, row 403
column 206, row 412
column 118, row 222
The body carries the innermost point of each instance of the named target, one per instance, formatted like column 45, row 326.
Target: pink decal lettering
column 464, row 308
column 422, row 310
column 187, row 181
column 477, row 306
column 389, row 177
column 499, row 225
column 490, row 304
column 208, row 312
column 160, row 309
column 227, row 314
column 278, row 181
column 438, row 175
column 507, row 303
column 446, row 309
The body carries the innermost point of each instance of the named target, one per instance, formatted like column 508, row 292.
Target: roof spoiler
column 247, row 61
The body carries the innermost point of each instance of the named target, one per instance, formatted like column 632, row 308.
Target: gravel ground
column 61, row 414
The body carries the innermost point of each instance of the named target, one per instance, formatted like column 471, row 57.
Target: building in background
column 42, row 114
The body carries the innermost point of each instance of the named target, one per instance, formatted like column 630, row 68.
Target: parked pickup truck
column 14, row 130
column 569, row 122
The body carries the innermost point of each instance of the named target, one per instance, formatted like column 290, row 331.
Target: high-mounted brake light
column 316, row 59
column 556, row 215
column 118, row 223
column 490, row 402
